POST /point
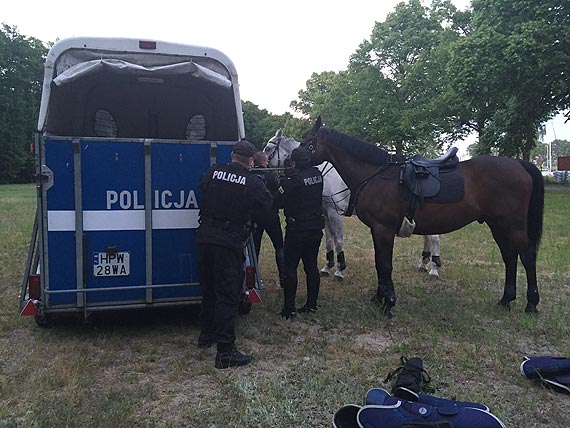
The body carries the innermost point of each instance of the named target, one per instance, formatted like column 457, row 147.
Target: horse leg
column 528, row 258
column 336, row 226
column 426, row 254
column 510, row 256
column 383, row 239
column 326, row 270
column 435, row 258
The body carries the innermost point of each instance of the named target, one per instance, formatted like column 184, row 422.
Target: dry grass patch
column 142, row 369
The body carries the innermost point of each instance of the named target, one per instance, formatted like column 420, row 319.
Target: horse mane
column 360, row 149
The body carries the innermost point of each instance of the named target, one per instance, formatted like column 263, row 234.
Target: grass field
column 142, row 369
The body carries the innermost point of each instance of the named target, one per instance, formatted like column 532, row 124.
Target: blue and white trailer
column 125, row 131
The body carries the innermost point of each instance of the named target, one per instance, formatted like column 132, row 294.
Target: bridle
column 275, row 151
column 309, row 142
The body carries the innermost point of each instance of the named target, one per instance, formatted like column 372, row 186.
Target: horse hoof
column 387, row 311
column 505, row 304
column 531, row 309
column 325, row 271
column 338, row 275
column 377, row 300
column 434, row 273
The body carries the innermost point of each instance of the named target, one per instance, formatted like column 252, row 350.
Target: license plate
column 105, row 264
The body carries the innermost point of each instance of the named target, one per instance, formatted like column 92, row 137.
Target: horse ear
column 317, row 125
column 279, row 133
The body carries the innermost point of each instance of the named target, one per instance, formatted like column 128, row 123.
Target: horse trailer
column 126, row 129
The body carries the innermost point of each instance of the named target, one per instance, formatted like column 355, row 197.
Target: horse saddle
column 422, row 175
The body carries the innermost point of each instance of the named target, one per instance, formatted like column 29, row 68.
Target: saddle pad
column 452, row 189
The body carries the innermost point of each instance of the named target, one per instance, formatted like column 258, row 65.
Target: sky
column 275, row 46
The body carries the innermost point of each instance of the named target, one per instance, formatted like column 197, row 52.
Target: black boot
column 330, row 259
column 411, row 378
column 205, row 340
column 233, row 358
column 341, row 261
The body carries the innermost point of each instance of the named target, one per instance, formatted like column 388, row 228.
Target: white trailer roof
column 72, row 60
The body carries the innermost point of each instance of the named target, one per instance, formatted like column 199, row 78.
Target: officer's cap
column 301, row 156
column 244, row 148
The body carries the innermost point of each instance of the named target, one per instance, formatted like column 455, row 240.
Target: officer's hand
column 290, row 172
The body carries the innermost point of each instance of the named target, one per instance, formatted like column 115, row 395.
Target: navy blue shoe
column 553, row 372
column 539, row 367
column 379, row 396
column 395, row 413
column 345, row 417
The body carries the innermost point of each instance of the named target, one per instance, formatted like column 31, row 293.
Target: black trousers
column 302, row 245
column 272, row 225
column 220, row 270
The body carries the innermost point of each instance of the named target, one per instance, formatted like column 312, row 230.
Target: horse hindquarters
column 516, row 241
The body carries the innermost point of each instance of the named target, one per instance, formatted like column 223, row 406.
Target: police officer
column 301, row 197
column 269, row 221
column 230, row 193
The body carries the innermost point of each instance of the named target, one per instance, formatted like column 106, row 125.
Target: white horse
column 335, row 203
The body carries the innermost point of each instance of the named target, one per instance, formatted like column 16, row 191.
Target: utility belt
column 313, row 221
column 225, row 224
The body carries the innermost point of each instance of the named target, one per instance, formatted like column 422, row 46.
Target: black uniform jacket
column 301, row 196
column 230, row 196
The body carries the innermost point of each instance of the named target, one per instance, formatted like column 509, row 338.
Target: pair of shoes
column 379, row 396
column 205, row 341
column 233, row 358
column 288, row 313
column 411, row 378
column 396, row 413
column 307, row 309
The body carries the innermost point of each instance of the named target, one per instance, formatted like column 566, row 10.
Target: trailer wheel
column 244, row 308
column 44, row 321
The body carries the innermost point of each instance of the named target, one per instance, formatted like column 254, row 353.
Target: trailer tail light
column 34, row 291
column 146, row 44
column 249, row 277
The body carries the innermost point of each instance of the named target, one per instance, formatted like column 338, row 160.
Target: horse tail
column 536, row 205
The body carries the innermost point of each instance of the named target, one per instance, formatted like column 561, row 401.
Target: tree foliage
column 511, row 72
column 21, row 77
column 395, row 91
column 260, row 125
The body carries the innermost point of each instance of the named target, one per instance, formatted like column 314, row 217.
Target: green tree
column 511, row 72
column 395, row 91
column 260, row 125
column 21, row 77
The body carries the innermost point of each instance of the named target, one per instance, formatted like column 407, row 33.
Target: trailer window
column 105, row 125
column 196, row 129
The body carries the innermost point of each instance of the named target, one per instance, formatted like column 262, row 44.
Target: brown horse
column 505, row 193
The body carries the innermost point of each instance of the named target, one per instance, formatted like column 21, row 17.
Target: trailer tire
column 244, row 308
column 44, row 321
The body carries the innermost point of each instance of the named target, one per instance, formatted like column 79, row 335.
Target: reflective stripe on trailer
column 64, row 221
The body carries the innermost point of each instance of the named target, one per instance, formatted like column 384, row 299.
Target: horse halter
column 275, row 151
